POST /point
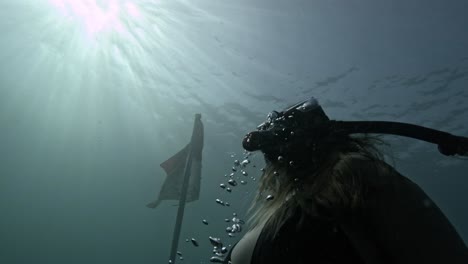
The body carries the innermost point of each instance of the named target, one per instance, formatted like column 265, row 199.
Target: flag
column 175, row 169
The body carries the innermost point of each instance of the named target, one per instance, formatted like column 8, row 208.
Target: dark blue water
column 94, row 95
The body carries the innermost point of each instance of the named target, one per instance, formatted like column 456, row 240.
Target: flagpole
column 183, row 197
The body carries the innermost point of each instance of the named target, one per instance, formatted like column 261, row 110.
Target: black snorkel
column 447, row 143
column 304, row 124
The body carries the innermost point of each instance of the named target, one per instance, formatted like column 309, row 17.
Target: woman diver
column 337, row 201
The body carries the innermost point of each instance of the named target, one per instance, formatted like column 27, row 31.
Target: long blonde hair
column 327, row 186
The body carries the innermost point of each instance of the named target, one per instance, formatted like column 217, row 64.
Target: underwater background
column 94, row 95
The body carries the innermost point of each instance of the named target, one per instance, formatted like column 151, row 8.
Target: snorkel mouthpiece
column 257, row 140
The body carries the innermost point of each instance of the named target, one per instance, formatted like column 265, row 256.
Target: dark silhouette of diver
column 337, row 201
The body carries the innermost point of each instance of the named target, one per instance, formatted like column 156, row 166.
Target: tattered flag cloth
column 175, row 170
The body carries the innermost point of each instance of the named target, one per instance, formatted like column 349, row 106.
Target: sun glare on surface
column 98, row 16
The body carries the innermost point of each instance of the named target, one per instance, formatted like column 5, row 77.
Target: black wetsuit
column 400, row 224
column 321, row 241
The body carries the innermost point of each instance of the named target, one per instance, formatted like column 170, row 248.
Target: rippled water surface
column 94, row 95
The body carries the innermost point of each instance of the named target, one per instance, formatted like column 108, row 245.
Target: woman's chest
column 243, row 251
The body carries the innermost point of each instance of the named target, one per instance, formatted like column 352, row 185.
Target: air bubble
column 232, row 182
